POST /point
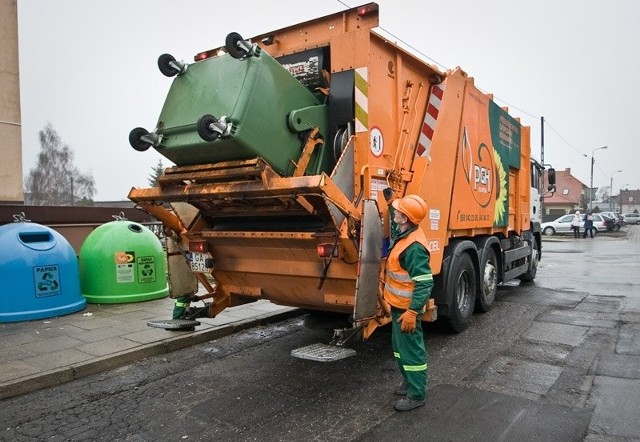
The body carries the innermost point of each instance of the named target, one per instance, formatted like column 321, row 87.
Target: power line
column 562, row 138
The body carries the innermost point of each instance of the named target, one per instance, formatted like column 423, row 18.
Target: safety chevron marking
column 430, row 118
column 362, row 100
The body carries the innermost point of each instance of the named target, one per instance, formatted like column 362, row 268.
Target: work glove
column 388, row 194
column 407, row 321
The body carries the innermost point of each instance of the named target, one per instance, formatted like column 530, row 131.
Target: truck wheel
column 462, row 292
column 488, row 281
column 231, row 45
column 204, row 128
column 135, row 139
column 165, row 66
column 533, row 264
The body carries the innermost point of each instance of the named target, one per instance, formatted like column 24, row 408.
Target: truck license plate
column 197, row 262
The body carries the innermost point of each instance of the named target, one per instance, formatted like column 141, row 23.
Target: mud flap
column 366, row 303
column 322, row 352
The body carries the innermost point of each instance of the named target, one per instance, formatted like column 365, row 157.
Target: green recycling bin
column 122, row 261
column 265, row 108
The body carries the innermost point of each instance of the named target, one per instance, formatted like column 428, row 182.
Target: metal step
column 174, row 324
column 322, row 352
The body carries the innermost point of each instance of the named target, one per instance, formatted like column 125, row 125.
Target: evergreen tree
column 156, row 172
column 55, row 181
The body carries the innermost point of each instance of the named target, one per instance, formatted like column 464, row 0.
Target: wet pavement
column 48, row 352
column 557, row 360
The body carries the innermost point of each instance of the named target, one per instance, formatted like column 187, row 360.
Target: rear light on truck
column 198, row 246
column 327, row 250
column 201, row 56
column 367, row 9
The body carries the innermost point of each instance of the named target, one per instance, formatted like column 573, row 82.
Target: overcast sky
column 89, row 68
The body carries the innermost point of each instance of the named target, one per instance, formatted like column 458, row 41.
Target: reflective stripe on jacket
column 398, row 288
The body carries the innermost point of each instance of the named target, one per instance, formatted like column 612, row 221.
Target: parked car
column 617, row 220
column 563, row 224
column 631, row 218
column 609, row 223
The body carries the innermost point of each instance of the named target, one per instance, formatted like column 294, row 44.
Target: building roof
column 629, row 197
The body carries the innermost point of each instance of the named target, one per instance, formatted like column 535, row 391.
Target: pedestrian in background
column 575, row 224
column 408, row 285
column 588, row 224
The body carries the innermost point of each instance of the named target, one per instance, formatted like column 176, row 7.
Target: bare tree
column 55, row 181
column 156, row 172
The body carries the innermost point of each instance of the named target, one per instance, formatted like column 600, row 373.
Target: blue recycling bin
column 39, row 276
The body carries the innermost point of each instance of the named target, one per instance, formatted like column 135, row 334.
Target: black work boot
column 406, row 404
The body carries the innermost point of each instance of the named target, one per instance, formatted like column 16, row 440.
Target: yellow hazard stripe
column 396, row 354
column 362, row 99
column 422, row 367
column 424, row 278
column 182, row 304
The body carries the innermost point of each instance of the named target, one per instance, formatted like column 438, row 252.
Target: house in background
column 628, row 200
column 571, row 195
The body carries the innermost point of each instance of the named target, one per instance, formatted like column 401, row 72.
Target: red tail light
column 198, row 246
column 327, row 250
column 367, row 9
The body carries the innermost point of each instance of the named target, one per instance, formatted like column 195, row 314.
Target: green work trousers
column 410, row 352
column 181, row 306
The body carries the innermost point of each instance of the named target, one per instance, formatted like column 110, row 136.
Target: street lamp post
column 591, row 184
column 611, row 190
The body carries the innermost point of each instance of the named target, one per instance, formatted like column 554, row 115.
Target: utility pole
column 611, row 190
column 591, row 184
column 542, row 190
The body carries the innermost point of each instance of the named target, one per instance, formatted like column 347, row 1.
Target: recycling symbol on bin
column 48, row 283
column 147, row 270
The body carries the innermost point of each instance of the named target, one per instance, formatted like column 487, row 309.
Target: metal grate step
column 322, row 352
column 174, row 324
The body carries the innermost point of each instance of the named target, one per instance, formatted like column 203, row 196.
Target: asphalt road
column 557, row 360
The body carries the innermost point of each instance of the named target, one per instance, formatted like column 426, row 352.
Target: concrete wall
column 10, row 126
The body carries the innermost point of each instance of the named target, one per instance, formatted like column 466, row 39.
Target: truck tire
column 461, row 289
column 488, row 281
column 533, row 263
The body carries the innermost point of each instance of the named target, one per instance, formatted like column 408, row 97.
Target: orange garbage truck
column 283, row 144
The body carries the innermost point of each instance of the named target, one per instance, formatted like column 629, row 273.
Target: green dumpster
column 265, row 110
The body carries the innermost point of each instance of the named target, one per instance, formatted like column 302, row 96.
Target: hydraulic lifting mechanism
column 247, row 204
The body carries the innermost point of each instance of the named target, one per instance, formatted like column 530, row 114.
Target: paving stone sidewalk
column 43, row 353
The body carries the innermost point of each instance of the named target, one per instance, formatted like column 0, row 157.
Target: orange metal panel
column 343, row 300
column 349, row 50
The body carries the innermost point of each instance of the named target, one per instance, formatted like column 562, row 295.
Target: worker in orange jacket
column 408, row 285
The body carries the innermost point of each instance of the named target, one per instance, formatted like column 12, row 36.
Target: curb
column 63, row 375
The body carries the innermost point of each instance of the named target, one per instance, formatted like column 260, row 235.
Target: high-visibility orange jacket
column 408, row 281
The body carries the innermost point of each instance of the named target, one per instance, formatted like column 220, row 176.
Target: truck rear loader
column 283, row 144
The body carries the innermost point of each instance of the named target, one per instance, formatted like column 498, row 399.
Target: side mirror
column 551, row 177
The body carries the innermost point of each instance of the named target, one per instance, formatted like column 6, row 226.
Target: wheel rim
column 534, row 257
column 462, row 293
column 490, row 279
